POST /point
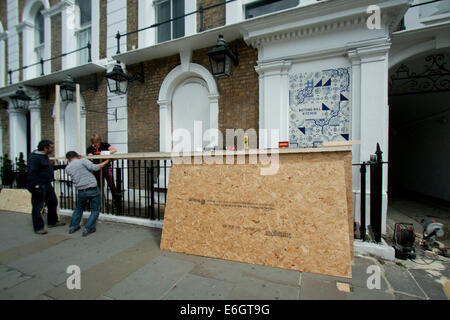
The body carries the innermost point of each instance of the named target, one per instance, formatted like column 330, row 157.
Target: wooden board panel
column 296, row 219
column 17, row 200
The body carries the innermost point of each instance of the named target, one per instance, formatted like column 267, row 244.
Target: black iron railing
column 134, row 188
column 376, row 196
column 42, row 61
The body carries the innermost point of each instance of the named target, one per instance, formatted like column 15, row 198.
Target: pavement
column 124, row 262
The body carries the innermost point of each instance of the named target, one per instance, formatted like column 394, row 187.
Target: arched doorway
column 190, row 115
column 419, row 137
column 176, row 85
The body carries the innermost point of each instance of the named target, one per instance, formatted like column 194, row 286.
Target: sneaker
column 58, row 224
column 42, row 231
column 72, row 230
column 88, row 232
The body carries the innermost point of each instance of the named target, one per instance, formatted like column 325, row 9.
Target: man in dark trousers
column 39, row 183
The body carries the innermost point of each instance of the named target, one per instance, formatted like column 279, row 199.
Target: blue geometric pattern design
column 320, row 107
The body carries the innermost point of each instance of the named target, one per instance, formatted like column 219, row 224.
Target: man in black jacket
column 40, row 177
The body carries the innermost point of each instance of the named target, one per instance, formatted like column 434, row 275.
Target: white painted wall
column 13, row 39
column 2, row 58
column 117, row 130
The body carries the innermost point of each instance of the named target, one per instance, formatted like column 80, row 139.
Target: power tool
column 404, row 238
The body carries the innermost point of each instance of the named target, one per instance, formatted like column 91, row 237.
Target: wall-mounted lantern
column 118, row 80
column 221, row 59
column 68, row 88
column 20, row 100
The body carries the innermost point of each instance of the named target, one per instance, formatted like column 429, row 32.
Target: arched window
column 39, row 34
column 84, row 17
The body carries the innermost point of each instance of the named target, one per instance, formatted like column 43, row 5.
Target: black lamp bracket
column 139, row 75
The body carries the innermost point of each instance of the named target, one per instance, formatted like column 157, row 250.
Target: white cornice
column 273, row 68
column 57, row 8
column 320, row 18
column 23, row 25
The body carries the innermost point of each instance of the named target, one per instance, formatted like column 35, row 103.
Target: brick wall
column 239, row 94
column 143, row 109
column 96, row 122
column 132, row 24
column 212, row 18
column 5, row 127
column 238, row 101
column 103, row 29
column 56, row 45
column 47, row 124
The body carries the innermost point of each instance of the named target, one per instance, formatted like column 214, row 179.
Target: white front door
column 191, row 115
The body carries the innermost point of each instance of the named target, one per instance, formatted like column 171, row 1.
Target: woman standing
column 96, row 148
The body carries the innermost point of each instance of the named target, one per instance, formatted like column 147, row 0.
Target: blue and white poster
column 320, row 108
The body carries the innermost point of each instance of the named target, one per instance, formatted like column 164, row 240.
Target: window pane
column 267, row 6
column 85, row 12
column 163, row 14
column 39, row 27
column 83, row 38
column 178, row 25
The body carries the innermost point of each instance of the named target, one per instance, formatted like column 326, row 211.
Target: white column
column 165, row 124
column 35, row 123
column 371, row 101
column 274, row 101
column 17, row 132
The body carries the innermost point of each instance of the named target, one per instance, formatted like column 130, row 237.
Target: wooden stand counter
column 300, row 217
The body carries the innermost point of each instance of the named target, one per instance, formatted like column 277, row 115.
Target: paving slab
column 84, row 252
column 319, row 289
column 401, row 296
column 192, row 287
column 27, row 290
column 101, row 277
column 368, row 294
column 254, row 289
column 360, row 274
column 10, row 278
column 235, row 272
column 35, row 246
column 401, row 281
column 429, row 283
column 151, row 281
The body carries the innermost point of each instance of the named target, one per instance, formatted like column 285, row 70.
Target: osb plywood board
column 17, row 200
column 296, row 219
column 347, row 158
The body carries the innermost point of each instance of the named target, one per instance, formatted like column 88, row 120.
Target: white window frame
column 155, row 5
column 82, row 55
column 32, row 52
